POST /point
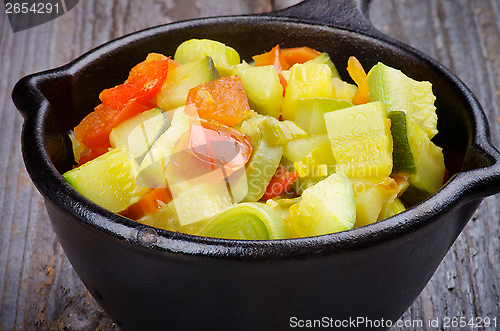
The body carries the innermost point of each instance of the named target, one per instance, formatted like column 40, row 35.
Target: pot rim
column 463, row 187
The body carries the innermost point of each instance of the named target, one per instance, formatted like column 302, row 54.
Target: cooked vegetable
column 310, row 112
column 399, row 92
column 358, row 75
column 223, row 100
column 108, row 180
column 299, row 55
column 326, row 207
column 281, row 148
column 361, row 140
column 248, row 220
column 308, row 80
column 175, row 89
column 276, row 59
column 263, row 89
column 224, row 57
column 416, row 155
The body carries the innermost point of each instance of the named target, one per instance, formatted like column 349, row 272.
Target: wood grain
column 38, row 287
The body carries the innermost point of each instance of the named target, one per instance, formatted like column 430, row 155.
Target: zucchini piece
column 108, row 180
column 325, row 59
column 180, row 80
column 198, row 200
column 223, row 56
column 361, row 140
column 248, row 220
column 415, row 154
column 326, row 207
column 279, row 132
column 371, row 195
column 310, row 113
column 307, row 80
column 262, row 164
column 343, row 90
column 400, row 92
column 139, row 133
column 297, row 149
column 151, row 172
column 263, row 88
column 319, row 162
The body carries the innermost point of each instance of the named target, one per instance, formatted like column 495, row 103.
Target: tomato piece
column 209, row 146
column 280, row 182
column 143, row 83
column 93, row 131
column 223, row 100
column 299, row 55
column 149, row 203
column 275, row 58
column 358, row 75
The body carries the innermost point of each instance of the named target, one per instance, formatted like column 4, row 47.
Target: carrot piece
column 93, row 131
column 358, row 75
column 149, row 203
column 91, row 154
column 275, row 58
column 299, row 54
column 223, row 100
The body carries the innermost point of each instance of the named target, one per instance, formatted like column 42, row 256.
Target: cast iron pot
column 148, row 279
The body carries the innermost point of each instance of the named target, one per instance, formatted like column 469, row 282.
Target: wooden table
column 39, row 289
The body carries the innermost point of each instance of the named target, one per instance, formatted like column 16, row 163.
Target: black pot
column 148, row 279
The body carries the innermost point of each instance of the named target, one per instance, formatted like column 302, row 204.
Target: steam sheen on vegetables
column 281, row 147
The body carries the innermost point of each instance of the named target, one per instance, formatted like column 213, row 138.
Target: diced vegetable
column 151, row 173
column 262, row 165
column 361, row 140
column 263, row 89
column 276, row 59
column 399, row 92
column 250, row 220
column 206, row 147
column 299, row 55
column 223, row 100
column 180, row 80
column 358, row 75
column 326, row 207
column 416, row 155
column 325, row 59
column 224, row 57
column 93, row 131
column 150, row 203
column 370, row 196
column 310, row 113
column 343, row 90
column 139, row 133
column 108, row 180
column 200, row 200
column 308, row 80
column 280, row 182
column 143, row 83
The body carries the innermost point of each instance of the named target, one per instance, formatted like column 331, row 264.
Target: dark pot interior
column 149, row 279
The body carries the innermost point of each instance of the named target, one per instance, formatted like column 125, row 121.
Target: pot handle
column 483, row 181
column 346, row 14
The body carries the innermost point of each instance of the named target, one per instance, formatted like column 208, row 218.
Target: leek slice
column 248, row 220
